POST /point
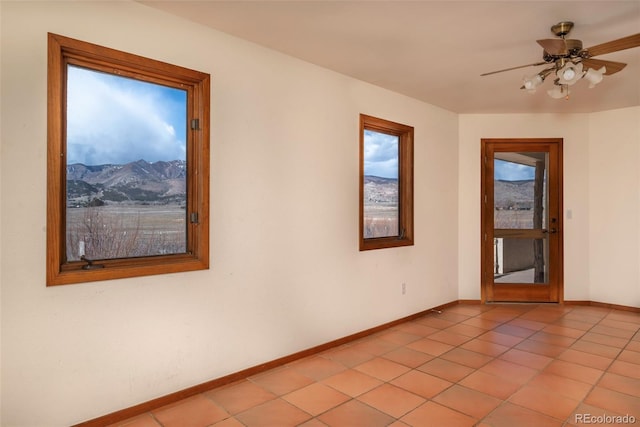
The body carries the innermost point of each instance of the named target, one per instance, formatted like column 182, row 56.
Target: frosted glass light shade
column 532, row 83
column 558, row 91
column 594, row 76
column 570, row 73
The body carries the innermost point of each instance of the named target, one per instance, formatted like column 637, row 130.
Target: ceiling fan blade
column 554, row 46
column 615, row 45
column 513, row 68
column 612, row 66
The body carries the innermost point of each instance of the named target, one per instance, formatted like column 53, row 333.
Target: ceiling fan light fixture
column 570, row 73
column 569, row 62
column 532, row 83
column 594, row 76
column 559, row 91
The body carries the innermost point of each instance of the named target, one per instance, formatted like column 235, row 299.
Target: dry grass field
column 380, row 220
column 125, row 231
column 520, row 219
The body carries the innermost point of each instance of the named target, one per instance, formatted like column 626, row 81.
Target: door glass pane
column 521, row 246
column 520, row 260
column 381, row 187
column 126, row 167
column 520, row 190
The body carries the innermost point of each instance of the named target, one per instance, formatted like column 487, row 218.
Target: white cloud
column 380, row 154
column 170, row 129
column 111, row 119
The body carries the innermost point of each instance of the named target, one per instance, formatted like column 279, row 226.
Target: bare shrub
column 380, row 227
column 109, row 234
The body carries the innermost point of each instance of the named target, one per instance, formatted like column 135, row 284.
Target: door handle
column 552, row 231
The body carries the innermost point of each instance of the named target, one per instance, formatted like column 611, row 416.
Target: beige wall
column 601, row 199
column 286, row 271
column 614, row 206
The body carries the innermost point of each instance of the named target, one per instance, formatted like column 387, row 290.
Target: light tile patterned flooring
column 472, row 365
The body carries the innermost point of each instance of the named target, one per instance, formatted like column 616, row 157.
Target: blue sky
column 380, row 154
column 112, row 119
column 509, row 171
column 381, row 159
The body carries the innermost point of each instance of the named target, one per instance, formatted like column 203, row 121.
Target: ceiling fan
column 569, row 62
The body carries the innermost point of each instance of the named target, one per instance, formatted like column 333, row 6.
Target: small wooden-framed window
column 127, row 165
column 386, row 184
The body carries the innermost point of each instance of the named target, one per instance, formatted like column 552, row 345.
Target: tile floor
column 471, row 365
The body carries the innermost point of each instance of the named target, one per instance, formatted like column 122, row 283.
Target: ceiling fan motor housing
column 574, row 46
column 573, row 49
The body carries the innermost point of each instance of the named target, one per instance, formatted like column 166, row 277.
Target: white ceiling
column 435, row 51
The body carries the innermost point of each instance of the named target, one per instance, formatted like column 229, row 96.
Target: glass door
column 521, row 233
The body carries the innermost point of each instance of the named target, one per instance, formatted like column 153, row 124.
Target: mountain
column 138, row 182
column 508, row 194
column 379, row 190
column 513, row 194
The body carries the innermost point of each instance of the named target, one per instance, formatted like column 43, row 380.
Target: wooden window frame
column 63, row 51
column 405, row 136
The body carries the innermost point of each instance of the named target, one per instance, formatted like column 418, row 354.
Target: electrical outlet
column 404, row 288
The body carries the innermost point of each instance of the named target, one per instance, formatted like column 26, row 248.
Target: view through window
column 126, row 167
column 520, row 205
column 381, row 189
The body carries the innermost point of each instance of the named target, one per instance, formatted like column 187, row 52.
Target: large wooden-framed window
column 127, row 165
column 386, row 183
